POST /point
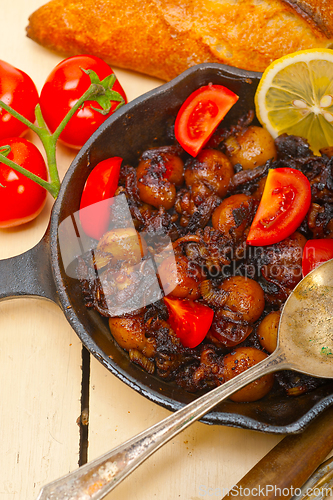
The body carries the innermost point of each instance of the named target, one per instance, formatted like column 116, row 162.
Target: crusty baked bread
column 162, row 38
column 319, row 12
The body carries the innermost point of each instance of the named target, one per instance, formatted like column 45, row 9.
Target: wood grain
column 202, row 462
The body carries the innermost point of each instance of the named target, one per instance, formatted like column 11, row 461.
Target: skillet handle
column 29, row 274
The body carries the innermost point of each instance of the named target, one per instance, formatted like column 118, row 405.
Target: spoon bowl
column 306, row 325
column 305, row 344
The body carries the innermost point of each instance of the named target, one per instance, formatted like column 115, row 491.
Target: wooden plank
column 40, row 359
column 40, row 355
column 198, row 463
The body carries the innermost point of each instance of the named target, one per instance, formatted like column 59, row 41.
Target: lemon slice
column 295, row 96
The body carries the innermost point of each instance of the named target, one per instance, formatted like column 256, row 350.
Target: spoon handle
column 96, row 479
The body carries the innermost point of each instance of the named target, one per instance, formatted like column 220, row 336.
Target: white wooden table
column 40, row 367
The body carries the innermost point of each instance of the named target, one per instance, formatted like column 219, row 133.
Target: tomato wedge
column 316, row 252
column 100, row 186
column 284, row 204
column 200, row 115
column 189, row 319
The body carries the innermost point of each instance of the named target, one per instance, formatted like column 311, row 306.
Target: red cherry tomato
column 63, row 87
column 283, row 205
column 200, row 115
column 100, row 186
column 316, row 252
column 189, row 319
column 21, row 199
column 18, row 91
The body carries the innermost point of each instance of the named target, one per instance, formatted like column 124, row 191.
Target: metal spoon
column 305, row 345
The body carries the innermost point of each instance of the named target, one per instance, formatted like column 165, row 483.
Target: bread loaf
column 162, row 38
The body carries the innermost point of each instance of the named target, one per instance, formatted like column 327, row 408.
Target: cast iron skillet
column 40, row 271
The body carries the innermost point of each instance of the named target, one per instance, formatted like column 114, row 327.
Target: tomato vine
column 98, row 91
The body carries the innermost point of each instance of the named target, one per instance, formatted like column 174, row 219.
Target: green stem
column 49, row 141
column 92, row 91
column 50, row 149
column 46, row 185
column 17, row 115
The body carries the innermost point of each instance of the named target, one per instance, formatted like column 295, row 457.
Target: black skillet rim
column 214, row 417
